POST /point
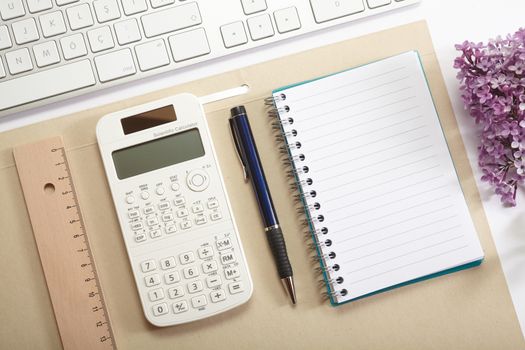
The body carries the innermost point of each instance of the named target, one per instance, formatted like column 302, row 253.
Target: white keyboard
column 54, row 49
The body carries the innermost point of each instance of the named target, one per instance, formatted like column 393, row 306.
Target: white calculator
column 174, row 212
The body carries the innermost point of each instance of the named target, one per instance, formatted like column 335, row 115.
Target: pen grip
column 278, row 247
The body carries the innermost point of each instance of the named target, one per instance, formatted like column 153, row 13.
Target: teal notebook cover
column 330, row 292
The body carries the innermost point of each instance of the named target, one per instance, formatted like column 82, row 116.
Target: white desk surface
column 450, row 22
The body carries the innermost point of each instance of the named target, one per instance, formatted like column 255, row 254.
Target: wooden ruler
column 63, row 245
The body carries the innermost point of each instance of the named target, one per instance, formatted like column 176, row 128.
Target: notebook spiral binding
column 303, row 185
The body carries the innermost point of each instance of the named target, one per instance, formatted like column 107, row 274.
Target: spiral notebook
column 381, row 195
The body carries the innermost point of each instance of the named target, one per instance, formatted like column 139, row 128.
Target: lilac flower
column 492, row 85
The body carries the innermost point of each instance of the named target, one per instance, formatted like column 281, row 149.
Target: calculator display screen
column 159, row 153
column 148, row 119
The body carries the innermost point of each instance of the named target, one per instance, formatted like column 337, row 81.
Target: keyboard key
column 18, row 62
column 186, row 258
column 191, row 272
column 148, row 210
column 167, row 263
column 287, row 19
column 179, row 201
column 253, row 6
column 199, row 301
column 5, row 40
column 46, row 54
column 148, row 265
column 152, row 221
column 182, row 213
column 260, row 27
column 236, row 287
column 167, row 217
column 152, row 55
column 233, row 34
column 152, row 280
column 52, row 24
column 186, row 224
column 140, row 238
column 172, row 277
column 2, row 70
column 100, row 39
column 189, row 45
column 127, row 31
column 25, row 31
column 65, row 2
column 73, row 46
column 164, row 205
column 171, row 229
column 39, row 5
column 212, row 204
column 231, row 273
column 377, row 3
column 134, row 6
column 156, row 294
column 209, row 266
column 133, row 214
column 217, row 296
column 205, row 252
column 213, row 281
column 79, row 16
column 115, row 65
column 160, row 3
column 180, row 307
column 195, row 287
column 172, row 19
column 201, row 220
column 197, row 208
column 106, row 10
column 47, row 83
column 215, row 216
column 137, row 226
column 10, row 9
column 155, row 233
column 327, row 10
column 227, row 258
column 160, row 309
column 223, row 244
column 176, row 292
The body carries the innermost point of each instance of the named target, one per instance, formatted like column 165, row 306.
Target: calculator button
column 179, row 201
column 227, row 258
column 201, row 220
column 175, row 292
column 148, row 265
column 231, row 273
column 171, row 229
column 156, row 294
column 148, row 210
column 197, row 180
column 175, row 186
column 182, row 213
column 224, row 243
column 180, row 307
column 213, row 281
column 186, row 258
column 236, row 287
column 144, row 195
column 130, row 199
column 198, row 301
column 152, row 221
column 152, row 280
column 160, row 309
column 209, row 266
column 167, row 263
column 191, row 272
column 137, row 226
column 167, row 217
column 216, row 216
column 213, row 204
column 172, row 277
column 155, row 234
column 195, row 287
column 197, row 208
column 205, row 252
column 159, row 191
column 140, row 238
column 133, row 214
column 164, row 205
column 217, row 295
column 186, row 224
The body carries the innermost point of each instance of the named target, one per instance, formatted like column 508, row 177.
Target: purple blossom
column 492, row 85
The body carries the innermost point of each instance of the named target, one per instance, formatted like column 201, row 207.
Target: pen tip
column 290, row 288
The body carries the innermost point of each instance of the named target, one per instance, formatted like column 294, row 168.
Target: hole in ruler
column 49, row 188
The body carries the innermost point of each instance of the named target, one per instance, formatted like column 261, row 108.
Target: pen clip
column 235, row 137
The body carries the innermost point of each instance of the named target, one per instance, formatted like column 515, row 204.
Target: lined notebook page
column 382, row 173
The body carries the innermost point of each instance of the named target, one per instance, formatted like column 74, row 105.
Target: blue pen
column 252, row 167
